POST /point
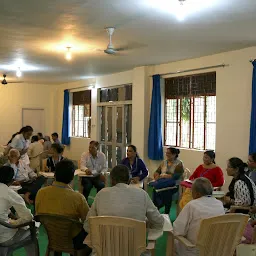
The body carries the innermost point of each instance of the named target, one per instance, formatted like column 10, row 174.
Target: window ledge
column 187, row 149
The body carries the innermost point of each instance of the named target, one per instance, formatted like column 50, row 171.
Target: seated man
column 202, row 206
column 10, row 199
column 24, row 176
column 94, row 163
column 60, row 199
column 125, row 201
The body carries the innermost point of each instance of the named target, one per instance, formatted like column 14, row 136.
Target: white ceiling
column 35, row 31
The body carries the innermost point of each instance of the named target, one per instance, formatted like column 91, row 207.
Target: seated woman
column 57, row 151
column 251, row 171
column 138, row 170
column 242, row 190
column 208, row 170
column 168, row 174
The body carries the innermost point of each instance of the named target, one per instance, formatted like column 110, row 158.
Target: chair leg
column 47, row 252
column 170, row 249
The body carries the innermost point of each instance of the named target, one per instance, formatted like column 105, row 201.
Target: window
column 122, row 93
column 115, row 122
column 81, row 114
column 190, row 111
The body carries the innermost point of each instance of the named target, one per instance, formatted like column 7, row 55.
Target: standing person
column 8, row 199
column 47, row 143
column 34, row 151
column 94, row 163
column 138, row 170
column 40, row 138
column 55, row 138
column 21, row 142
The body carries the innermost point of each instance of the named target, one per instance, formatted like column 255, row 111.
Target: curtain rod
column 80, row 87
column 195, row 69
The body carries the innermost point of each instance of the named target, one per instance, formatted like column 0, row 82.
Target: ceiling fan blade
column 18, row 82
column 131, row 46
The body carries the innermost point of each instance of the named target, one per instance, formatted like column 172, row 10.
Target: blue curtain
column 65, row 139
column 252, row 145
column 155, row 145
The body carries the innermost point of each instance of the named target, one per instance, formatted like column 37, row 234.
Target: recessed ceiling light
column 18, row 72
column 182, row 8
column 68, row 53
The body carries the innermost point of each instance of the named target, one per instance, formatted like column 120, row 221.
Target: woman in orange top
column 208, row 170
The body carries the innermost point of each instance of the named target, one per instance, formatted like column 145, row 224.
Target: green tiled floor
column 160, row 245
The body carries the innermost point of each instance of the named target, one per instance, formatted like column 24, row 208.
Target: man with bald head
column 203, row 206
column 24, row 176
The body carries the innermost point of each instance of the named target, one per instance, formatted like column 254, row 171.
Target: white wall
column 233, row 105
column 14, row 97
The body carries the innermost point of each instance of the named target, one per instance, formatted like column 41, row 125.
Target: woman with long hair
column 242, row 190
column 138, row 169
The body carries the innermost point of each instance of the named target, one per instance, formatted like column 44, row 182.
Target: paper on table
column 154, row 234
column 15, row 188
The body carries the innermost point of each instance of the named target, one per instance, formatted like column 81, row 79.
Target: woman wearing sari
column 208, row 170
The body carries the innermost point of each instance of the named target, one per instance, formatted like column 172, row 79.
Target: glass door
column 115, row 131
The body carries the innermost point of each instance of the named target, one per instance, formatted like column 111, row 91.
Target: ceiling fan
column 111, row 50
column 4, row 82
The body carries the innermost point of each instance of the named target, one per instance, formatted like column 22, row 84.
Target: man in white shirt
column 24, row 176
column 21, row 142
column 10, row 199
column 93, row 163
column 202, row 206
column 125, row 201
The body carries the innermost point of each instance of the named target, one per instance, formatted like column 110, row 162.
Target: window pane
column 171, row 122
column 211, row 122
column 119, row 125
column 199, row 106
column 113, row 94
column 128, row 92
column 109, row 124
column 109, row 156
column 128, row 124
column 102, row 123
column 185, row 122
column 119, row 156
column 104, row 95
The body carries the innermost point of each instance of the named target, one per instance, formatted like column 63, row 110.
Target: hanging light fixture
column 68, row 53
column 18, row 72
column 180, row 10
